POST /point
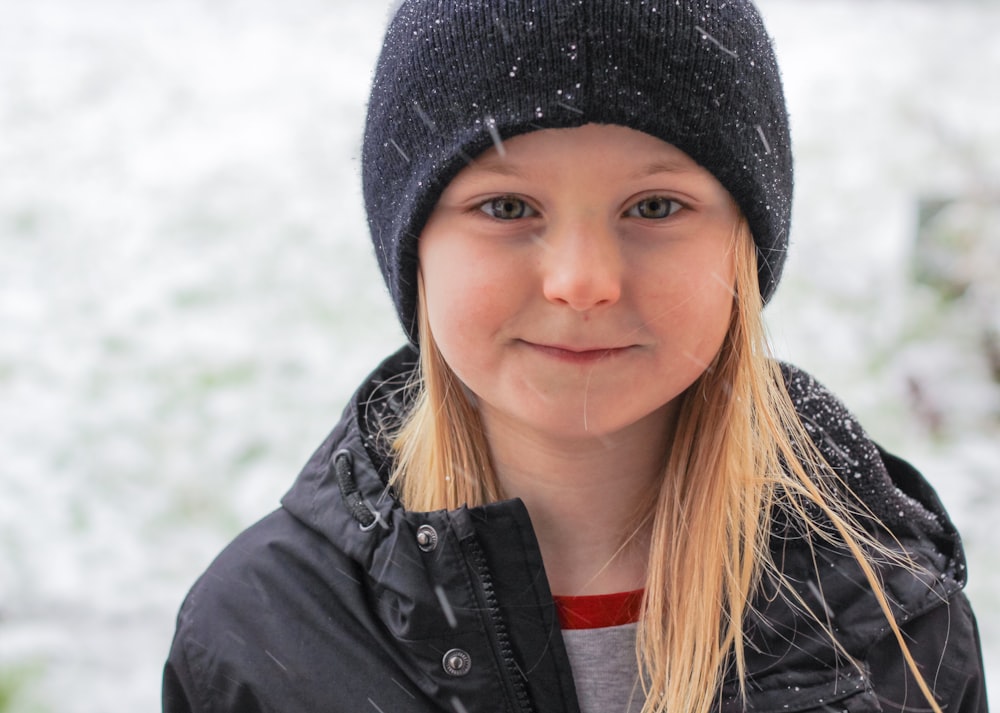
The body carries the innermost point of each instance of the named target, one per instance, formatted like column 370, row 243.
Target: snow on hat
column 456, row 76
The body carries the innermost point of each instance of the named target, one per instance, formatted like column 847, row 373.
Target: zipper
column 515, row 677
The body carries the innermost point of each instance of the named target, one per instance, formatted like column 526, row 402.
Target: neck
column 589, row 498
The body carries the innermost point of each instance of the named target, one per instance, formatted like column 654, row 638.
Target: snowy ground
column 187, row 295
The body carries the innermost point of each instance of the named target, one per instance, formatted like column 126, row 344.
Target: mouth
column 579, row 354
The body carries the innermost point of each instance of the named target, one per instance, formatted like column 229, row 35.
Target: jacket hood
column 342, row 493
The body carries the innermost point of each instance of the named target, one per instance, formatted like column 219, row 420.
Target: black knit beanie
column 455, row 76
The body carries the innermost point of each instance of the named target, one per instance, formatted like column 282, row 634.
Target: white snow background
column 188, row 294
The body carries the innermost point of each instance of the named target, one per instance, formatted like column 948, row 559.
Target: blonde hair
column 738, row 452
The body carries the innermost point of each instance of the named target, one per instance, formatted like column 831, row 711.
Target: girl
column 584, row 485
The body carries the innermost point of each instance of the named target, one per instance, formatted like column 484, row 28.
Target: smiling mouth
column 577, row 355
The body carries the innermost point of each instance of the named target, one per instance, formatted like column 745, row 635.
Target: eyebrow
column 502, row 167
column 499, row 166
column 662, row 166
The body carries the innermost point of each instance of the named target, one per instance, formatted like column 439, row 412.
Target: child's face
column 581, row 281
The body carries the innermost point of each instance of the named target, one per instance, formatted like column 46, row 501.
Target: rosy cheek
column 458, row 306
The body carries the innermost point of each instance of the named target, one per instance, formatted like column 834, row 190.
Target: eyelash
column 493, row 206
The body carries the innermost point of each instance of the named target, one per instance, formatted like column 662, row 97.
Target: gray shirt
column 605, row 669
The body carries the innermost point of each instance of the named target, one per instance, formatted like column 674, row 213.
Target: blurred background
column 188, row 297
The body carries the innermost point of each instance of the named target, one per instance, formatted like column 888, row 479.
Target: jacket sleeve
column 945, row 644
column 177, row 684
column 174, row 696
column 192, row 685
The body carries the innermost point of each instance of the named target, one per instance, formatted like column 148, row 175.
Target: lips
column 579, row 354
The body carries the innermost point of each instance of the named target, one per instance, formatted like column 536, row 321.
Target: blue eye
column 507, row 208
column 654, row 208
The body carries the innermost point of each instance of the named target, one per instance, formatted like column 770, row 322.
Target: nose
column 582, row 266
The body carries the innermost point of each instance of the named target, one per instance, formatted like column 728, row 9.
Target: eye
column 654, row 208
column 507, row 208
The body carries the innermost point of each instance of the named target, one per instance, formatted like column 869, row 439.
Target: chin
column 596, row 422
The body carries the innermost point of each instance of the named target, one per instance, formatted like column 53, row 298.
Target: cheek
column 688, row 279
column 457, row 309
column 691, row 302
column 714, row 303
column 463, row 291
column 716, row 284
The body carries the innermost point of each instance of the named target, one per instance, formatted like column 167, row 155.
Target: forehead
column 591, row 142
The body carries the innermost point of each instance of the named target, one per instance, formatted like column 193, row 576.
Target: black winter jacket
column 341, row 600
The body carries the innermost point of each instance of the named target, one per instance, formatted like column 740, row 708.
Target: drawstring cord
column 343, row 468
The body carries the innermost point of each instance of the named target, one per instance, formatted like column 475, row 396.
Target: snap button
column 457, row 663
column 427, row 538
